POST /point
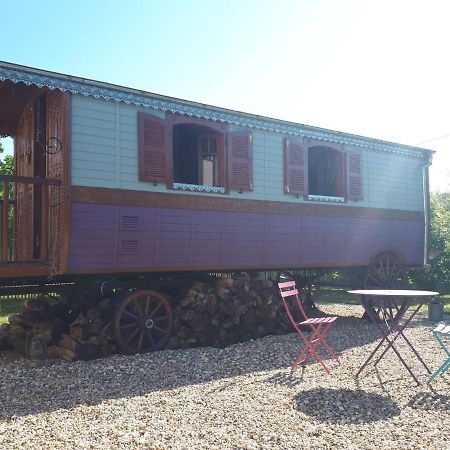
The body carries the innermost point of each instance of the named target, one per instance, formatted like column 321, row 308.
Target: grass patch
column 9, row 306
column 337, row 295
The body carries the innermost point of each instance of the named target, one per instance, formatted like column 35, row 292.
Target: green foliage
column 438, row 276
column 6, row 163
column 10, row 306
column 7, row 168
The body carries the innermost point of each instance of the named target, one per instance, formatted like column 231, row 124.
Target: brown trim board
column 21, row 270
column 104, row 196
column 64, row 251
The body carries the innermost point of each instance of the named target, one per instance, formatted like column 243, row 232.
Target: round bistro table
column 392, row 306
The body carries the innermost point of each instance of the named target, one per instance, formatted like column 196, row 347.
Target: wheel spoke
column 132, row 335
column 138, row 307
column 385, row 268
column 126, row 326
column 141, row 338
column 156, row 309
column 377, row 277
column 127, row 313
column 379, row 270
column 160, row 329
column 156, row 319
column 394, row 275
column 377, row 282
column 147, row 305
column 150, row 336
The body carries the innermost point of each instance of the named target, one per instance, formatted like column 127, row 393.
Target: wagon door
column 41, row 155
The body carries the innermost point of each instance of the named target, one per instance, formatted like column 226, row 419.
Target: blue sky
column 377, row 69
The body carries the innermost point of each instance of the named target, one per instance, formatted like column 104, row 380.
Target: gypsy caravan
column 120, row 187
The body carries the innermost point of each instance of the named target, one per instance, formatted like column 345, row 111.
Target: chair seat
column 318, row 320
column 442, row 328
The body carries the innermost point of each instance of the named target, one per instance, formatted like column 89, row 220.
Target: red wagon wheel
column 143, row 322
column 386, row 271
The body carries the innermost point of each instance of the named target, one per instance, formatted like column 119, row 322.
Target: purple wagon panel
column 125, row 237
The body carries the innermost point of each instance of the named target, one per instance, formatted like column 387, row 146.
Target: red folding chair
column 319, row 327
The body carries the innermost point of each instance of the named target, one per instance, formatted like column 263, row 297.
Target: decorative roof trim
column 326, row 199
column 96, row 89
column 198, row 188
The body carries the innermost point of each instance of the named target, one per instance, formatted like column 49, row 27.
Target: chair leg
column 445, row 365
column 326, row 345
column 302, row 358
column 440, row 371
column 310, row 349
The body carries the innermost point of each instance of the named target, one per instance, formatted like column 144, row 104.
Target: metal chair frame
column 319, row 327
column 441, row 332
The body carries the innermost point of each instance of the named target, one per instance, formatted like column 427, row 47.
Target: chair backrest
column 289, row 290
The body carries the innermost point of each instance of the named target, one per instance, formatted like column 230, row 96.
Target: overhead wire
column 434, row 139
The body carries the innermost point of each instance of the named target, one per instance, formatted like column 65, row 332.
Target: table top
column 394, row 293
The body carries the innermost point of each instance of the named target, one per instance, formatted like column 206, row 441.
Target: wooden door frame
column 61, row 102
column 40, row 199
column 65, row 210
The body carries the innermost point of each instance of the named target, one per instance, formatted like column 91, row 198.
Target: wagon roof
column 97, row 89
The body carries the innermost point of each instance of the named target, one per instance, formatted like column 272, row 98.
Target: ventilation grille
column 129, row 246
column 130, row 223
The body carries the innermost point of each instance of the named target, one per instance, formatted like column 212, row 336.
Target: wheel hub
column 148, row 323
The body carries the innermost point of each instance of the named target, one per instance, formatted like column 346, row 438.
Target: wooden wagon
column 123, row 188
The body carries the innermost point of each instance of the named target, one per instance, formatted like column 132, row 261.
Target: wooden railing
column 8, row 205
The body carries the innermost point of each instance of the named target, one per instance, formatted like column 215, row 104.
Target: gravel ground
column 240, row 397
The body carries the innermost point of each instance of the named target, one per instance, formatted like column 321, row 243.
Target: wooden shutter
column 153, row 148
column 354, row 176
column 295, row 167
column 240, row 160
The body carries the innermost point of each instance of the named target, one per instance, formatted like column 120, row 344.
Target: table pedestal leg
column 399, row 328
column 391, row 342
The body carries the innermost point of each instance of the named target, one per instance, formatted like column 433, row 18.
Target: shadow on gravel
column 287, row 379
column 430, row 401
column 26, row 390
column 344, row 406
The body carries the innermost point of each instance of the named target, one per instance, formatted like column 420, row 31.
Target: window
column 197, row 156
column 321, row 172
column 188, row 153
column 325, row 172
column 208, row 160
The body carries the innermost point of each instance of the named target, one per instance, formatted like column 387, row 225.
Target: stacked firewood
column 214, row 312
column 228, row 310
column 66, row 330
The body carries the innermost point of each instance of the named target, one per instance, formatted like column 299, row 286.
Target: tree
column 438, row 276
column 6, row 165
column 7, row 168
column 6, row 162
